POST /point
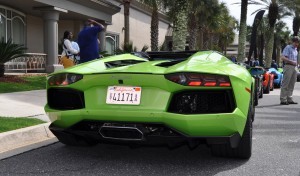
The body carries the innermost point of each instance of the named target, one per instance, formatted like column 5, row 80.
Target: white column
column 51, row 40
column 102, row 39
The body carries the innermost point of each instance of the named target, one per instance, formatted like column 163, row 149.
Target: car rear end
column 155, row 106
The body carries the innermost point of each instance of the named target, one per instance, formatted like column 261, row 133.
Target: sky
column 235, row 10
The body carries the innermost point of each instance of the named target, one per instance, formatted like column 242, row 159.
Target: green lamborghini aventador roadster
column 155, row 98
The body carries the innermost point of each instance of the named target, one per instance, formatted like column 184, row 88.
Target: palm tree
column 253, row 44
column 126, row 4
column 195, row 18
column 294, row 6
column 242, row 31
column 281, row 38
column 155, row 5
column 225, row 26
column 276, row 9
column 9, row 51
column 178, row 12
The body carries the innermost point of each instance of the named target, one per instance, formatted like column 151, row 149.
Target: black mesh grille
column 202, row 102
column 65, row 99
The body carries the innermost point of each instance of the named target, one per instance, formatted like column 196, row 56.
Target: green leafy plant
column 9, row 51
column 129, row 48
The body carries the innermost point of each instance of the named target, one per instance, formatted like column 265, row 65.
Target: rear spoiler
column 164, row 55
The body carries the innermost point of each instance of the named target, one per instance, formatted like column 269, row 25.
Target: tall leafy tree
column 207, row 10
column 276, row 9
column 178, row 12
column 155, row 6
column 256, row 23
column 224, row 27
column 280, row 39
column 294, row 5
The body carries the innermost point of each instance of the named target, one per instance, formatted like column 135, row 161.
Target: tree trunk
column 261, row 51
column 154, row 29
column 126, row 21
column 256, row 23
column 200, row 39
column 193, row 31
column 269, row 47
column 242, row 32
column 2, row 69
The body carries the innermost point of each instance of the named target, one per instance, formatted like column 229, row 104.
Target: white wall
column 35, row 35
column 139, row 28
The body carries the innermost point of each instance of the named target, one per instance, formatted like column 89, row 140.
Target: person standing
column 88, row 40
column 289, row 57
column 274, row 65
column 68, row 54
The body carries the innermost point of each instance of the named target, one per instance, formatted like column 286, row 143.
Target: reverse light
column 64, row 79
column 198, row 79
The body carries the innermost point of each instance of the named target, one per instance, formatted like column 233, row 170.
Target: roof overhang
column 72, row 9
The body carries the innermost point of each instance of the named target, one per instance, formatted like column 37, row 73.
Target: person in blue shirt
column 289, row 57
column 88, row 40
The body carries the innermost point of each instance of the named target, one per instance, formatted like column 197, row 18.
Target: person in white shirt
column 68, row 58
column 68, row 49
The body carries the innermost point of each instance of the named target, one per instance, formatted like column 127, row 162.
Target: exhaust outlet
column 121, row 132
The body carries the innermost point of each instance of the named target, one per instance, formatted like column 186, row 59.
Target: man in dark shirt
column 88, row 41
column 274, row 65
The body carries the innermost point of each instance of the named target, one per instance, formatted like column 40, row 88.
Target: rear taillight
column 64, row 79
column 196, row 79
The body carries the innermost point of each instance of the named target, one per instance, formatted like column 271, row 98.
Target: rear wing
column 165, row 55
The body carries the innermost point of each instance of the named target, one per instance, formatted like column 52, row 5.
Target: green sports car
column 155, row 98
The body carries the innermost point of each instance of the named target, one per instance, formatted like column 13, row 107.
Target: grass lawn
column 9, row 123
column 17, row 83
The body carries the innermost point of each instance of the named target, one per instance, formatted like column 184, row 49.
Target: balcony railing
column 31, row 62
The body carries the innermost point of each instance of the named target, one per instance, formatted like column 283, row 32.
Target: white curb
column 25, row 139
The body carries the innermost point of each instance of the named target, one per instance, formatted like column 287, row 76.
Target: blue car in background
column 277, row 77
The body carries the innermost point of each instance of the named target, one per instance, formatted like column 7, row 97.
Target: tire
column 256, row 96
column 272, row 88
column 244, row 149
column 261, row 95
column 267, row 90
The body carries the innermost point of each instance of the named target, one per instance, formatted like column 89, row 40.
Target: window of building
column 12, row 25
column 112, row 43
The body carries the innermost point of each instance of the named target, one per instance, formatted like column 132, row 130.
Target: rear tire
column 244, row 149
column 267, row 90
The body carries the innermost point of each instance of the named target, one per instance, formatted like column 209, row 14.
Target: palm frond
column 9, row 51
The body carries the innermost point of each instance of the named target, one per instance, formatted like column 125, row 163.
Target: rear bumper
column 224, row 124
column 139, row 134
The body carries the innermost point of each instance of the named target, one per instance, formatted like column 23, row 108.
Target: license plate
column 123, row 95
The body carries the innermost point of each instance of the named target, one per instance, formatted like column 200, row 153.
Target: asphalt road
column 276, row 152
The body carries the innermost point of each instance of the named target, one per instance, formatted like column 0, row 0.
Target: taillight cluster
column 64, row 79
column 199, row 79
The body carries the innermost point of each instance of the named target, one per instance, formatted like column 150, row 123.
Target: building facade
column 40, row 24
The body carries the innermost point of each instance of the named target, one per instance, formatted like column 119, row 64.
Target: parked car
column 257, row 73
column 278, row 76
column 268, row 82
column 166, row 98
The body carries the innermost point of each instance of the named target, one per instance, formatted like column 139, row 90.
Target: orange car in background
column 268, row 82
